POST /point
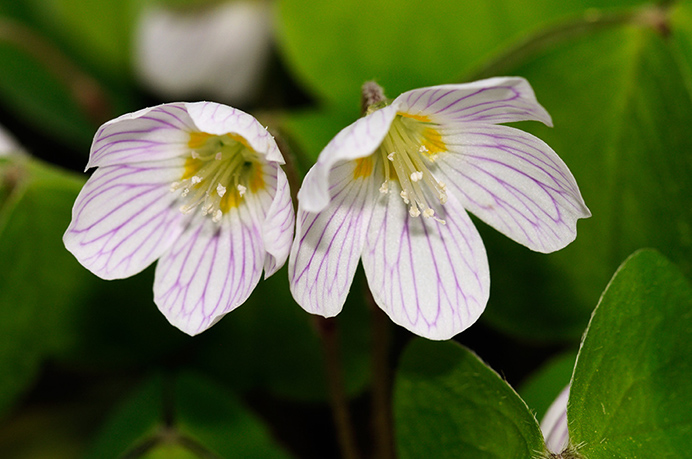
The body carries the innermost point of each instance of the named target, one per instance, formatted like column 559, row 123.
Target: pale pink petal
column 278, row 226
column 554, row 424
column 328, row 244
column 514, row 182
column 358, row 140
column 124, row 218
column 210, row 270
column 151, row 134
column 495, row 100
column 221, row 119
column 428, row 277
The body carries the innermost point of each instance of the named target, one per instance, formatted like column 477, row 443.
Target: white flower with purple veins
column 393, row 189
column 554, row 424
column 197, row 186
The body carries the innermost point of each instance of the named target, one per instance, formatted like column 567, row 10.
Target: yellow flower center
column 408, row 151
column 220, row 170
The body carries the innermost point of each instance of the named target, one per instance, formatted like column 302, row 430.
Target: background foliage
column 89, row 367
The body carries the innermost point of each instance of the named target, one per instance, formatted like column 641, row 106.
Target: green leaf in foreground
column 631, row 394
column 449, row 404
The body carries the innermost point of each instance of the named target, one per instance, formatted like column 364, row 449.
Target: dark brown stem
column 328, row 332
column 381, row 384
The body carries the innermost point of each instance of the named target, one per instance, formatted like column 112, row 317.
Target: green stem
column 328, row 332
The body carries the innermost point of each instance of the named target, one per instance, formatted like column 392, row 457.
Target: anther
column 218, row 156
column 391, row 156
column 404, row 196
column 241, row 190
column 413, row 211
column 195, row 179
column 384, row 188
column 220, row 190
column 217, row 216
column 423, row 149
column 194, row 154
column 416, row 176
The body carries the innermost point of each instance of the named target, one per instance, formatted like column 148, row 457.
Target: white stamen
column 404, row 196
column 427, row 213
column 217, row 216
column 443, row 198
column 391, row 156
column 195, row 179
column 218, row 156
column 384, row 188
column 174, row 186
column 413, row 211
column 423, row 149
column 186, row 209
column 194, row 154
column 241, row 190
column 416, row 176
column 185, row 192
column 220, row 190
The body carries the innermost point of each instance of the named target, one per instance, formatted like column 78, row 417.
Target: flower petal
column 124, row 218
column 210, row 270
column 328, row 244
column 358, row 140
column 277, row 229
column 151, row 134
column 495, row 100
column 554, row 423
column 221, row 119
column 514, row 182
column 429, row 277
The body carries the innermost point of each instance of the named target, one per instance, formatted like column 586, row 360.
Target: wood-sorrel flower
column 393, row 189
column 197, row 186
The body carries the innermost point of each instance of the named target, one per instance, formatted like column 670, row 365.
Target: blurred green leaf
column 138, row 420
column 39, row 279
column 36, row 93
column 334, row 47
column 449, row 404
column 621, row 106
column 541, row 388
column 270, row 342
column 210, row 415
column 632, row 385
column 188, row 416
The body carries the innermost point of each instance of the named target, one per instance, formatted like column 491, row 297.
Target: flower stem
column 328, row 332
column 381, row 384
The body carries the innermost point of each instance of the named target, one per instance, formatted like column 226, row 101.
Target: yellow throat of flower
column 407, row 152
column 218, row 173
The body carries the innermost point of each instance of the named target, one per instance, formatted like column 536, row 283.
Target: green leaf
column 334, row 47
column 39, row 279
column 632, row 384
column 212, row 416
column 186, row 417
column 449, row 404
column 621, row 107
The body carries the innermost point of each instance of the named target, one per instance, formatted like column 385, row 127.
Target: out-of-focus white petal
column 554, row 424
column 328, row 244
column 8, row 144
column 514, row 182
column 125, row 218
column 220, row 52
column 495, row 100
column 429, row 277
column 151, row 134
column 278, row 226
column 221, row 119
column 210, row 270
column 358, row 140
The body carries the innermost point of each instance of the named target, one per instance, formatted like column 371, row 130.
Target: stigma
column 408, row 151
column 218, row 172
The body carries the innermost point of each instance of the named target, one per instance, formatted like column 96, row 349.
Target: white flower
column 220, row 52
column 197, row 186
column 8, row 144
column 554, row 424
column 393, row 189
